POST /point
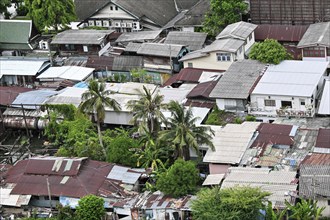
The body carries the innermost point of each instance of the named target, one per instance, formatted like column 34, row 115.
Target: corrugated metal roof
column 132, row 47
column 140, row 36
column 284, row 33
column 240, row 30
column 194, row 55
column 100, row 63
column 280, row 184
column 238, row 80
column 314, row 181
column 324, row 107
column 9, row 93
column 323, row 138
column 22, row 67
column 8, row 199
column 36, row 97
column 200, row 103
column 213, row 179
column 228, row 45
column 15, row 34
column 291, row 78
column 203, row 90
column 317, row 159
column 124, row 175
column 230, row 142
column 127, row 63
column 158, row 49
column 129, row 88
column 195, row 15
column 317, row 34
column 69, row 95
column 88, row 37
column 76, row 73
column 175, row 94
column 193, row 40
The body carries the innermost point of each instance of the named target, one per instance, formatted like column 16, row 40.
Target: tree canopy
column 230, row 203
column 50, row 13
column 221, row 14
column 179, row 180
column 3, row 7
column 90, row 207
column 269, row 51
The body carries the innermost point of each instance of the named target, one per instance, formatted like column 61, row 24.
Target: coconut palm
column 147, row 110
column 183, row 134
column 94, row 101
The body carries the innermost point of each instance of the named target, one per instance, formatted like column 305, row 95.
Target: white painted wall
column 189, row 29
column 113, row 14
column 210, row 62
column 249, row 43
column 316, row 58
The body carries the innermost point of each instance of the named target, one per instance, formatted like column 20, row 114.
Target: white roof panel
column 175, row 94
column 213, row 179
column 76, row 73
column 20, row 67
column 324, row 108
column 291, row 78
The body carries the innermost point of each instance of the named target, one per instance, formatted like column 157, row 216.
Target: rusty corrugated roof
column 317, row 159
column 9, row 93
column 323, row 138
column 202, row 90
column 284, row 33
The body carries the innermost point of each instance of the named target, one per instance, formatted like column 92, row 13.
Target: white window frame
column 223, row 57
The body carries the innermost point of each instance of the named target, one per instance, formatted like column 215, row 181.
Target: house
column 83, row 42
column 9, row 93
column 127, row 15
column 291, row 88
column 232, row 44
column 73, row 73
column 192, row 40
column 295, row 12
column 282, row 185
column 230, row 143
column 232, row 92
column 163, row 58
column 287, row 35
column 314, row 180
column 138, row 37
column 21, row 71
column 17, row 36
column 324, row 107
column 69, row 95
column 47, row 181
column 315, row 43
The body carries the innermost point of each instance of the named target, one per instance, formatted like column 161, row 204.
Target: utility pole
column 49, row 196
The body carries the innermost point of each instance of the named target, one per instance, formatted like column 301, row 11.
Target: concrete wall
column 218, row 168
column 209, row 62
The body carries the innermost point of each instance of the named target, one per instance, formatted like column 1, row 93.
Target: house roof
column 274, row 134
column 158, row 49
column 291, row 78
column 85, row 8
column 324, row 107
column 230, row 142
column 194, row 55
column 195, row 15
column 176, row 94
column 88, row 37
column 31, row 98
column 127, row 63
column 69, row 95
column 15, row 34
column 132, row 47
column 22, row 67
column 226, row 44
column 203, row 90
column 9, row 93
column 239, row 30
column 72, row 177
column 140, row 36
column 317, row 34
column 76, row 73
column 100, row 62
column 281, row 184
column 213, row 179
column 323, row 138
column 317, row 159
column 314, row 181
column 284, row 33
column 238, row 80
column 193, row 40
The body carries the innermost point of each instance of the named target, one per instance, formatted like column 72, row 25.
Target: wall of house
column 43, row 201
column 231, row 104
column 218, row 168
column 189, row 29
column 249, row 42
column 118, row 118
column 209, row 62
column 118, row 14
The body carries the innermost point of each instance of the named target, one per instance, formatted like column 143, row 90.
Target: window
column 269, row 102
column 223, row 56
column 286, row 104
column 302, row 102
column 240, row 50
column 111, row 8
column 190, row 64
column 116, row 8
column 314, row 52
column 328, row 51
column 250, row 37
column 85, row 48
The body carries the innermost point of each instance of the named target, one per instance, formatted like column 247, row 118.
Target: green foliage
column 140, row 75
column 219, row 117
column 182, row 132
column 179, row 180
column 90, row 207
column 250, row 118
column 67, row 111
column 221, row 14
column 95, row 28
column 3, row 6
column 269, row 51
column 50, row 13
column 119, row 144
column 238, row 120
column 272, row 214
column 232, row 203
column 304, row 210
column 64, row 212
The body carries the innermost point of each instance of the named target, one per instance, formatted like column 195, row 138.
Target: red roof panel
column 284, row 33
column 317, row 159
column 323, row 138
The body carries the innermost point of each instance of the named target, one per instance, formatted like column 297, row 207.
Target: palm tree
column 94, row 100
column 147, row 110
column 304, row 210
column 183, row 134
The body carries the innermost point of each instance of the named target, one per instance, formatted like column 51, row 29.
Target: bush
column 250, row 118
column 90, row 207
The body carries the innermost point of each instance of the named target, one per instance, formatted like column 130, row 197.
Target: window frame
column 270, row 103
column 223, row 57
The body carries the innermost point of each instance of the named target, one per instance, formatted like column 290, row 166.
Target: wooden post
column 26, row 127
column 49, row 195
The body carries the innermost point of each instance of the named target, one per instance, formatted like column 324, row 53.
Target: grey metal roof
column 193, row 40
column 227, row 45
column 316, row 34
column 122, row 174
column 195, row 15
column 240, row 30
column 314, row 178
column 238, row 81
column 132, row 47
column 126, row 63
column 158, row 49
column 140, row 36
column 194, row 55
column 36, row 97
column 81, row 37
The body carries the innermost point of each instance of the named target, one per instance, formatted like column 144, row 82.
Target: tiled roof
column 15, row 34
